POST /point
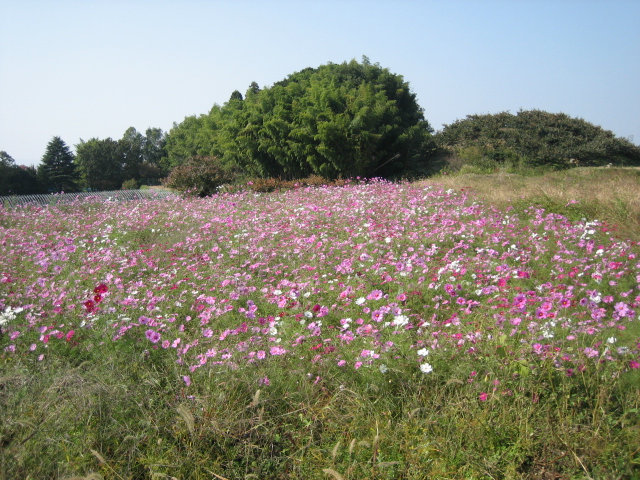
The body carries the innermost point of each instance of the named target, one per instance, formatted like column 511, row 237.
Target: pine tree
column 57, row 169
column 236, row 95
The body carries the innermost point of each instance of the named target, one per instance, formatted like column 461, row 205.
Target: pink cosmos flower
column 152, row 336
column 375, row 295
column 277, row 350
column 207, row 332
column 621, row 309
column 591, row 353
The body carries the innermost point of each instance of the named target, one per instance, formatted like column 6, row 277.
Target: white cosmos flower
column 426, row 368
column 401, row 320
column 423, row 353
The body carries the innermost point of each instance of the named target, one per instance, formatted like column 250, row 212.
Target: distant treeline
column 335, row 121
column 98, row 165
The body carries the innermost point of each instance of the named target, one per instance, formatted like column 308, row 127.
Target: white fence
column 69, row 198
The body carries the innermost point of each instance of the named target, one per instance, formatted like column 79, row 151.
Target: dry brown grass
column 611, row 195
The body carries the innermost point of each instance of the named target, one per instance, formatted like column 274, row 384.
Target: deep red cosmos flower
column 90, row 306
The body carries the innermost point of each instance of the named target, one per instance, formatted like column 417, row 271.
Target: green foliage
column 337, row 120
column 131, row 184
column 106, row 164
column 190, row 138
column 57, row 171
column 236, row 95
column 15, row 179
column 533, row 138
column 200, row 176
column 131, row 147
column 6, row 160
column 153, row 147
column 101, row 163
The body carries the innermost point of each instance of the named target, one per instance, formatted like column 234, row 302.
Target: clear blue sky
column 92, row 68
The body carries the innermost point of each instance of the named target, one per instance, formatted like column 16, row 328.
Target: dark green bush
column 131, row 184
column 200, row 176
column 533, row 139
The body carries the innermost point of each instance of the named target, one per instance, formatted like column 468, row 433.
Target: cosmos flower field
column 368, row 276
column 377, row 277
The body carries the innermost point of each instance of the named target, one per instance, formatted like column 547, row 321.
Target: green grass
column 123, row 414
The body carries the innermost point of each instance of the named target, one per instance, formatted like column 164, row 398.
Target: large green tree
column 143, row 155
column 57, row 171
column 336, row 120
column 154, row 146
column 153, row 155
column 131, row 147
column 193, row 137
column 101, row 163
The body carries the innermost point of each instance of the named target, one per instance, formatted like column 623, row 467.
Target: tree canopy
column 102, row 163
column 537, row 138
column 349, row 119
column 106, row 164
